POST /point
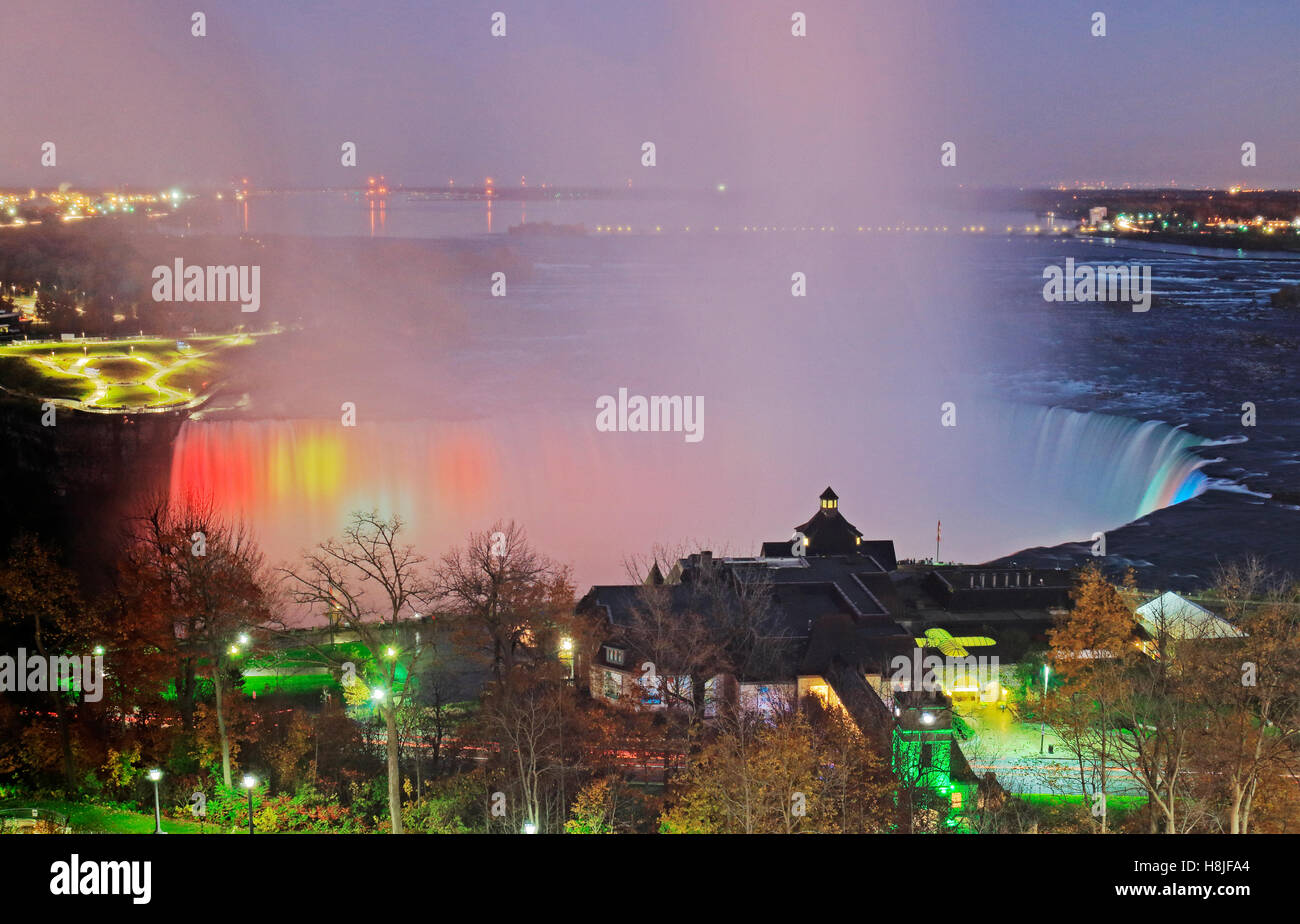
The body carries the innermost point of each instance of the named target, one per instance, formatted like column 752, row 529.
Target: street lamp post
column 1042, row 728
column 249, row 782
column 154, row 777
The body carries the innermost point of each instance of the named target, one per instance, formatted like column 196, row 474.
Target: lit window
column 613, row 655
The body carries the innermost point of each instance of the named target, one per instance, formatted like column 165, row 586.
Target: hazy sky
column 859, row 106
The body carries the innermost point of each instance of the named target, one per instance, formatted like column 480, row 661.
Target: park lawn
column 123, row 369
column 120, row 368
column 289, row 684
column 159, row 349
column 194, row 376
column 94, row 818
column 25, row 377
column 74, row 351
column 1116, row 801
column 292, row 659
column 1059, row 808
column 310, row 657
column 130, row 396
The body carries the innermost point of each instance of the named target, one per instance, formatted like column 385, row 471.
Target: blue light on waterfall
column 1193, row 485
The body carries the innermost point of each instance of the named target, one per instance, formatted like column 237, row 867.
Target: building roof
column 1181, row 618
column 828, row 533
column 854, row 605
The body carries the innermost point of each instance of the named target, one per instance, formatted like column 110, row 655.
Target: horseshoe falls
column 1117, row 467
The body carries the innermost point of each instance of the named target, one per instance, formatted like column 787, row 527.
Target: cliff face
column 73, row 482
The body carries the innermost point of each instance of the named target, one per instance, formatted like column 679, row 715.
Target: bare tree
column 205, row 576
column 501, row 593
column 369, row 582
column 1247, row 688
column 718, row 620
column 524, row 715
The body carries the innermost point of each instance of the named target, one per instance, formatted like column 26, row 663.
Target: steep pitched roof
column 1183, row 619
column 828, row 533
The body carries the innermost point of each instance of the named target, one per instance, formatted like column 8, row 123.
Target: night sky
column 859, row 106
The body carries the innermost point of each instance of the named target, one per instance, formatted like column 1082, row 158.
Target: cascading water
column 295, row 482
column 1119, row 467
column 1007, row 477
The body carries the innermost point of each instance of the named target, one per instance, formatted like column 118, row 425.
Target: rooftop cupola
column 828, row 533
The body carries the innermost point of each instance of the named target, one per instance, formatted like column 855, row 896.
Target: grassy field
column 290, row 684
column 296, row 670
column 1120, row 802
column 120, row 374
column 91, row 818
column 19, row 375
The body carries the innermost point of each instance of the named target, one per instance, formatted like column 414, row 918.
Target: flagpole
column 938, row 534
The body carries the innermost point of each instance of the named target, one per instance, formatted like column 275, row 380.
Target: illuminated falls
column 296, row 481
column 1008, row 476
column 1119, row 467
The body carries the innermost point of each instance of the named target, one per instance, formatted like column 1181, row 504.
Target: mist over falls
column 472, row 408
column 1061, row 475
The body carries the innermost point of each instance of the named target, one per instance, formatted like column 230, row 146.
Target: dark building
column 840, row 610
column 12, row 324
column 829, row 533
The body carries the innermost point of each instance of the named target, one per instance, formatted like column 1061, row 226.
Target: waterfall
column 1124, row 467
column 296, row 481
column 1007, row 477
